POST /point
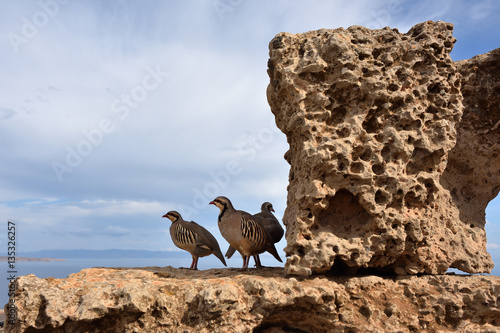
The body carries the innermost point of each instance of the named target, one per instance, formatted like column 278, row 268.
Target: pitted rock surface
column 164, row 299
column 371, row 117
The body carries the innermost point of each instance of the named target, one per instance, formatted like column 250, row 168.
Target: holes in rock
column 434, row 88
column 389, row 311
column 365, row 311
column 374, row 120
column 344, row 132
column 398, row 103
column 337, row 116
column 437, row 49
column 376, row 53
column 414, row 125
column 380, row 197
column 420, row 67
column 357, row 167
column 423, row 160
column 301, row 51
column 301, row 251
column 363, row 56
column 343, row 215
column 279, row 325
column 378, row 169
column 366, row 155
column 411, row 200
column 416, row 93
column 409, row 99
column 313, row 77
column 359, row 40
column 393, row 87
column 356, row 152
column 314, row 129
column 386, row 153
column 432, row 110
column 401, row 74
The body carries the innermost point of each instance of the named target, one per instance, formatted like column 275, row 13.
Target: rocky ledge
column 155, row 299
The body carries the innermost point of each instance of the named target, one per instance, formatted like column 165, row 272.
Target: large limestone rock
column 223, row 300
column 473, row 172
column 377, row 178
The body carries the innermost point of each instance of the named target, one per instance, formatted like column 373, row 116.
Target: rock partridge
column 243, row 231
column 270, row 223
column 192, row 237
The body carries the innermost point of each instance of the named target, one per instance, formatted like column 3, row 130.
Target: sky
column 114, row 112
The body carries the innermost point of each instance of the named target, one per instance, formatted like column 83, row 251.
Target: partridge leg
column 257, row 261
column 194, row 264
column 246, row 259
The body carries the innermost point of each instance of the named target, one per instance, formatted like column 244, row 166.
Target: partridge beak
column 212, row 203
column 272, row 210
column 165, row 215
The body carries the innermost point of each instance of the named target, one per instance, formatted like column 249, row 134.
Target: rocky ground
column 155, row 299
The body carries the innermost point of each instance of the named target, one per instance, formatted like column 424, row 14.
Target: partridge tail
column 230, row 252
column 272, row 249
column 219, row 255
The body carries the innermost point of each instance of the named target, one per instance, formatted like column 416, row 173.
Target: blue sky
column 113, row 113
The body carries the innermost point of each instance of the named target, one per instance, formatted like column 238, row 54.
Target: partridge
column 243, row 231
column 192, row 237
column 270, row 223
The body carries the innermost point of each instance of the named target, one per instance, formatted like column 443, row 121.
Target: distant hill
column 113, row 253
column 6, row 258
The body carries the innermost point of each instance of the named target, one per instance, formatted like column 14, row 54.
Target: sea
column 61, row 269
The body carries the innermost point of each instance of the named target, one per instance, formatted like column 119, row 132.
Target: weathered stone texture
column 371, row 117
column 473, row 172
column 223, row 300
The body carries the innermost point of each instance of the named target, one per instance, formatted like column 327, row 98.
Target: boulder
column 384, row 130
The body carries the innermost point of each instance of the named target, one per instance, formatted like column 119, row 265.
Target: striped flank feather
column 253, row 231
column 185, row 236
